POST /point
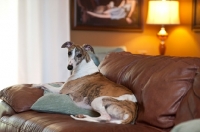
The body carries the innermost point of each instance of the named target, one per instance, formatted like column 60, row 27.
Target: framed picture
column 196, row 16
column 106, row 15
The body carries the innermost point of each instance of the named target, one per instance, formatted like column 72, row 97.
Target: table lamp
column 163, row 12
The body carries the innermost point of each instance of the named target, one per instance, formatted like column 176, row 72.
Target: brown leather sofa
column 167, row 90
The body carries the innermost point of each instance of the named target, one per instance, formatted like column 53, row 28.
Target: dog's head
column 76, row 54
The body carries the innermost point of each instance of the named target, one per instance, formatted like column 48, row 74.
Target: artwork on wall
column 106, row 15
column 196, row 16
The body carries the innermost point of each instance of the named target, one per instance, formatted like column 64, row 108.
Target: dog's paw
column 85, row 118
column 80, row 116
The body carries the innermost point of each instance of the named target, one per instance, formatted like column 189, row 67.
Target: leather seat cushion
column 31, row 121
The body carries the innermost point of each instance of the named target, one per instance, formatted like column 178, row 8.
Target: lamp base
column 162, row 35
column 162, row 48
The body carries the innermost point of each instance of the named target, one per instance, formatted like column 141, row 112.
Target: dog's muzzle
column 69, row 67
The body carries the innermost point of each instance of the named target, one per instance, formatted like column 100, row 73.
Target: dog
column 89, row 89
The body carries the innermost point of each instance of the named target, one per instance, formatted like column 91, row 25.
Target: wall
column 182, row 41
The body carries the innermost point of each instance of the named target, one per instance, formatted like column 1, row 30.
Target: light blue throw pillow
column 59, row 103
column 188, row 126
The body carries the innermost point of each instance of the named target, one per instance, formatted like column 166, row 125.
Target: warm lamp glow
column 163, row 13
column 162, row 32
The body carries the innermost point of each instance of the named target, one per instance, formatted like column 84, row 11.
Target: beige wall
column 182, row 41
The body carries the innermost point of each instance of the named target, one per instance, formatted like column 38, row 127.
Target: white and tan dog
column 89, row 89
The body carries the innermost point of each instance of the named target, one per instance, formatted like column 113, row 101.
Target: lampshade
column 163, row 12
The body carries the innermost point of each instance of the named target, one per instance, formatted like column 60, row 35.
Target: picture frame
column 196, row 16
column 82, row 20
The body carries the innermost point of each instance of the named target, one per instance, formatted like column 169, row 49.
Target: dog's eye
column 79, row 55
column 69, row 53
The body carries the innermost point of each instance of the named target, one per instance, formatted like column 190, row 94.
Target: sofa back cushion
column 190, row 103
column 158, row 82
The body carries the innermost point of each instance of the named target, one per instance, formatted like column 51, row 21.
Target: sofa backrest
column 190, row 106
column 159, row 83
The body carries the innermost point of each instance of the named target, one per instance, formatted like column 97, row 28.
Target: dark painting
column 109, row 15
column 196, row 16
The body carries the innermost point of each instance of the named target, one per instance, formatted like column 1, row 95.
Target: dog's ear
column 87, row 58
column 87, row 47
column 67, row 44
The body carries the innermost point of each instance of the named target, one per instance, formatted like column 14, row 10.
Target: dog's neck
column 83, row 69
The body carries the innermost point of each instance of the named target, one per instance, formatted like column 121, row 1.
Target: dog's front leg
column 52, row 87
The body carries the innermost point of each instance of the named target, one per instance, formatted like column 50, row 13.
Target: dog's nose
column 69, row 67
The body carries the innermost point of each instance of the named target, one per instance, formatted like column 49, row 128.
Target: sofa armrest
column 5, row 109
column 21, row 97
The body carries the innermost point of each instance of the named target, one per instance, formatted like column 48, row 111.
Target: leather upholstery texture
column 159, row 83
column 167, row 89
column 32, row 121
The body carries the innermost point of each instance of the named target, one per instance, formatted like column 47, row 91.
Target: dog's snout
column 69, row 67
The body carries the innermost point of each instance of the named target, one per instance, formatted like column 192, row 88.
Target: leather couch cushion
column 31, row 121
column 21, row 97
column 158, row 82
